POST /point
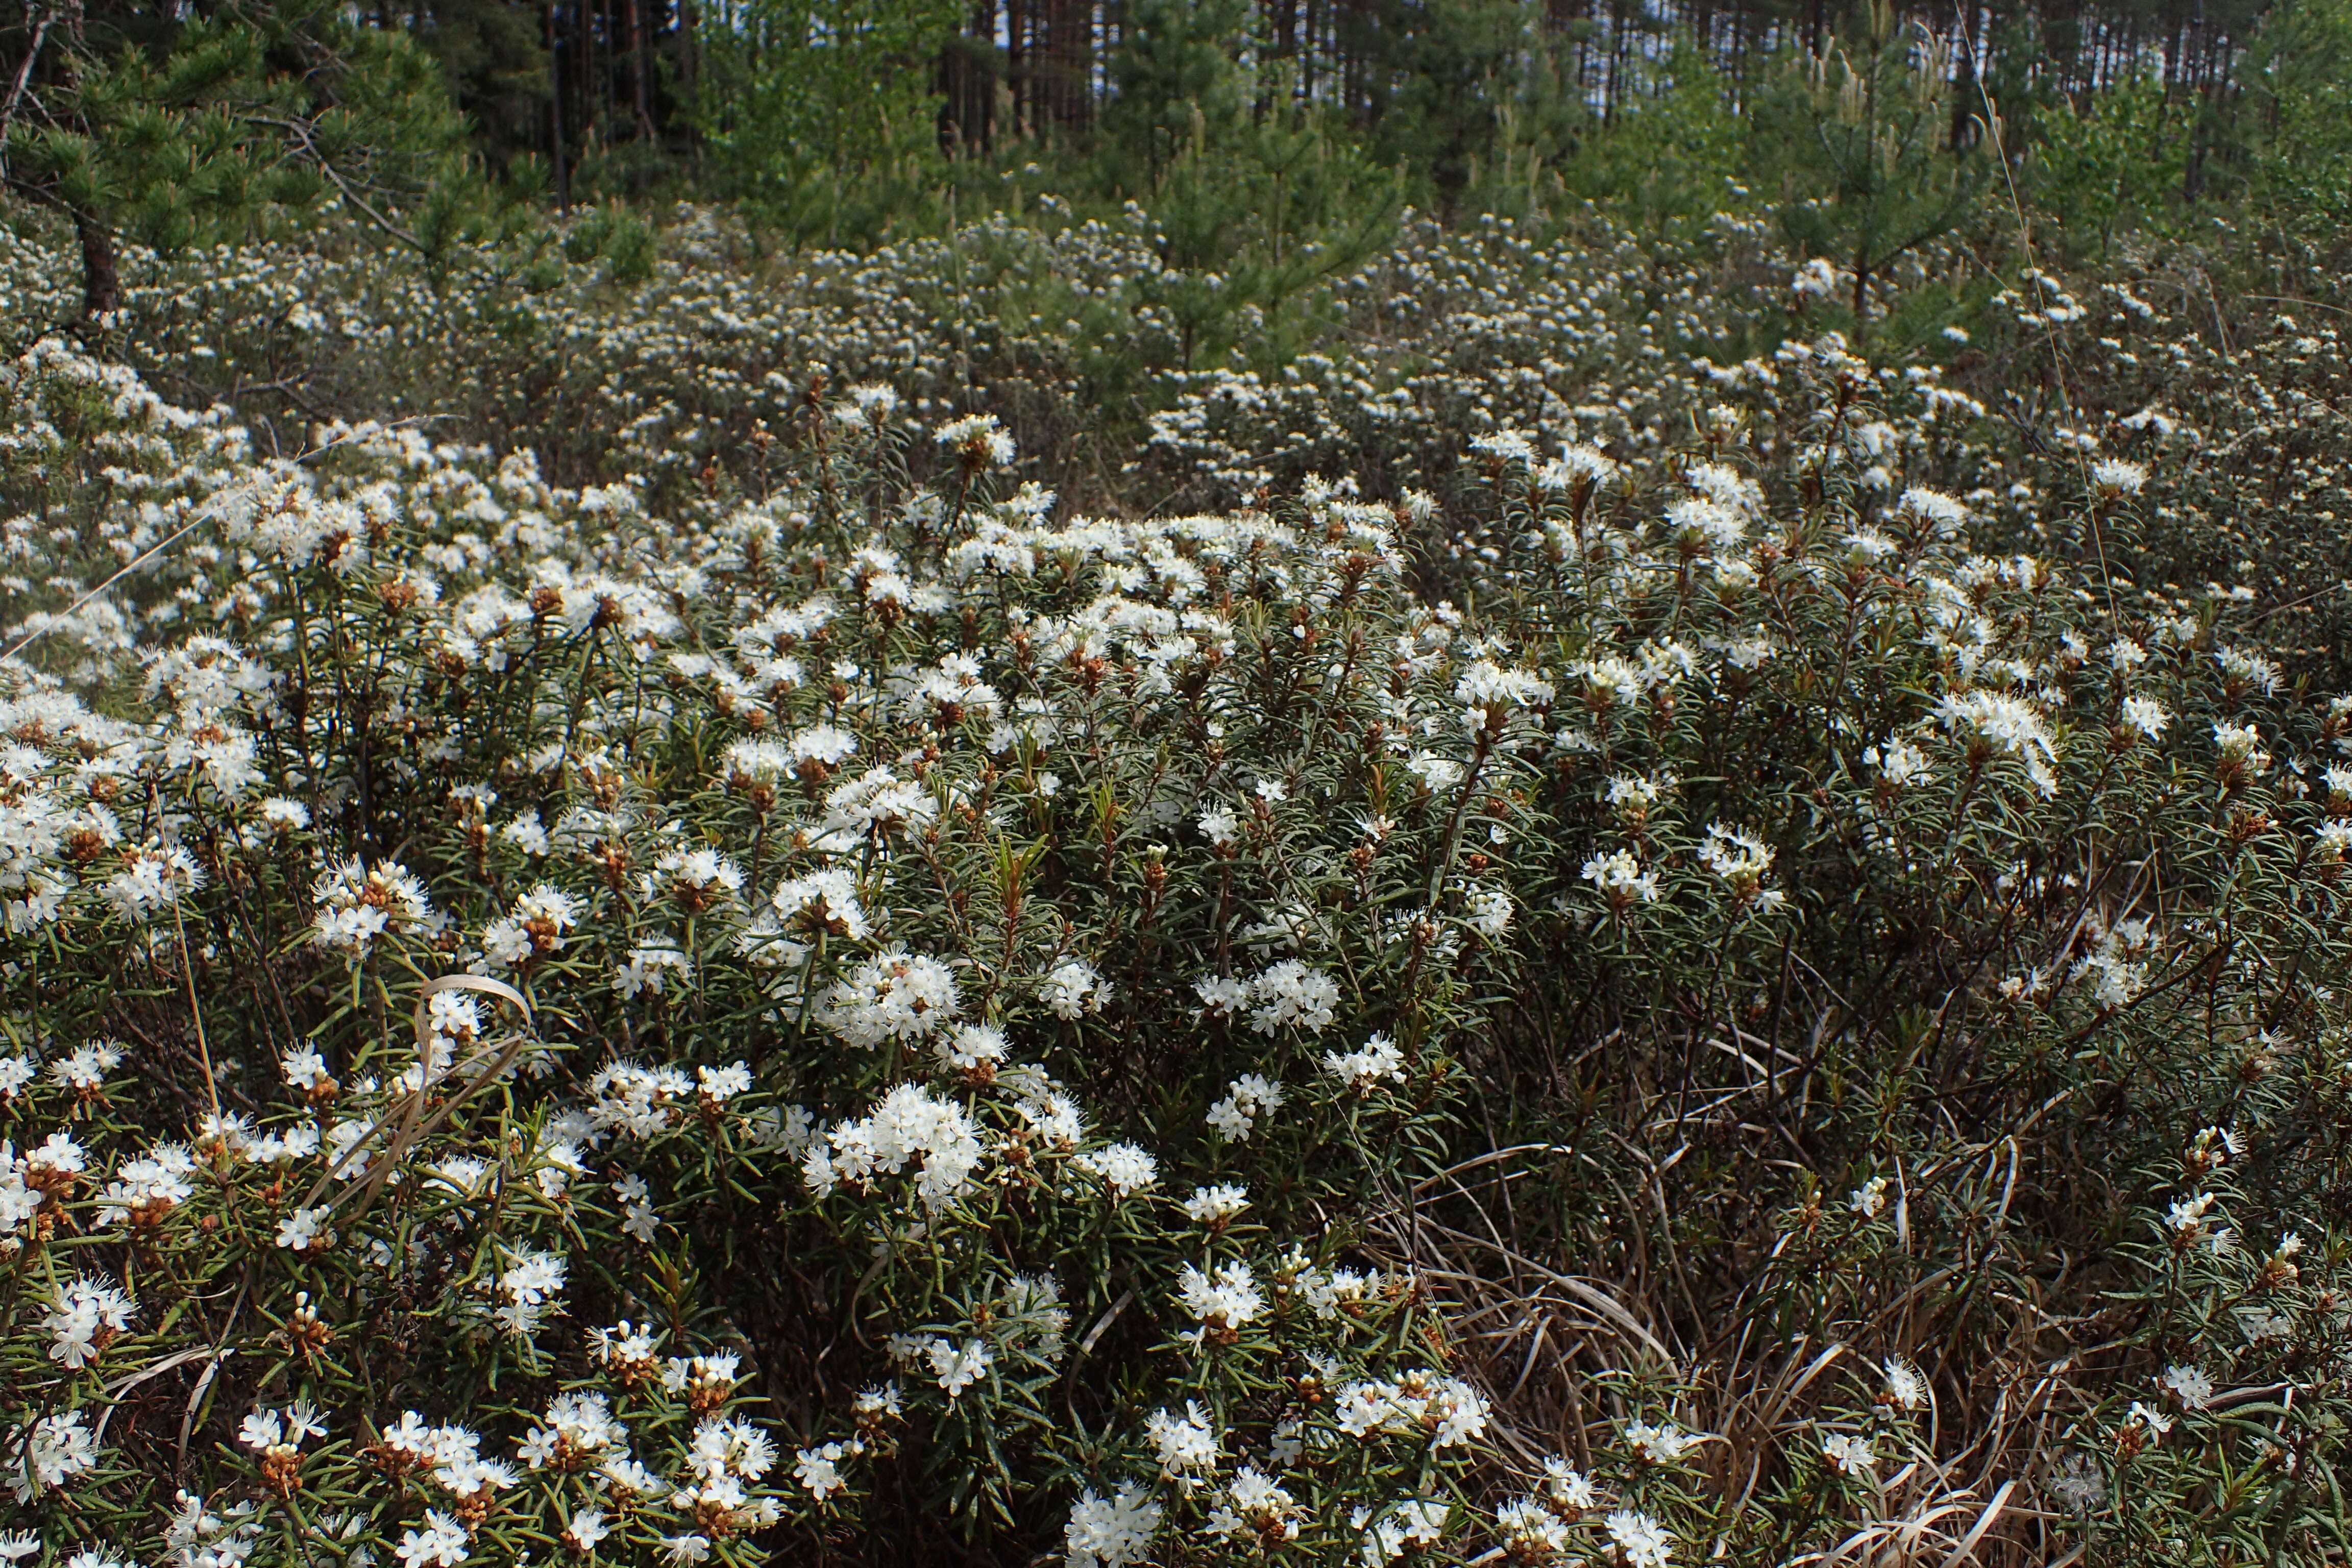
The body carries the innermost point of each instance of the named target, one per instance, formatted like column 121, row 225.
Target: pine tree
column 129, row 123
column 1859, row 139
column 493, row 54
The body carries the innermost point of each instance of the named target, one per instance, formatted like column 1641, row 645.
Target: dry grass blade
column 413, row 1125
column 1992, row 1511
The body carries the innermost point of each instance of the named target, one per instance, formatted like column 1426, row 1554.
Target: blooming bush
column 1662, row 997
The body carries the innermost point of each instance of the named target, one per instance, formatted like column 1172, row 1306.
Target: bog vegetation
column 1430, row 819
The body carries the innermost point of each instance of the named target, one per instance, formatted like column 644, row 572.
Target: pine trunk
column 101, row 283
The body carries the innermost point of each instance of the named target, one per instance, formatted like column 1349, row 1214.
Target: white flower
column 1529, row 1532
column 2246, row 669
column 697, row 880
column 1850, row 1454
column 84, row 1068
column 977, row 439
column 2186, row 1217
column 1187, row 1445
column 264, row 1429
column 1110, row 1532
column 821, row 903
column 1869, row 1198
column 1444, row 1412
column 1253, row 1503
column 1124, row 1169
column 153, row 877
column 908, row 1126
column 716, row 1086
column 2241, row 745
column 1506, row 444
column 2113, row 477
column 470, row 1475
column 1905, row 1388
column 2146, row 715
column 1224, row 1301
column 874, row 400
column 1488, row 691
column 87, row 1316
column 2007, row 725
column 893, row 995
column 1223, row 996
column 358, row 903
column 1290, row 994
column 527, row 834
column 578, row 1432
column 1488, row 911
column 1407, row 1527
column 1579, row 467
column 1052, row 1118
column 304, row 1230
column 306, row 1070
column 1073, row 988
column 584, row 1529
column 1934, row 508
column 1899, row 762
column 973, row 1049
column 528, row 1285
column 1565, row 1490
column 1361, row 1069
column 958, row 1366
column 650, row 968
column 1639, row 1541
column 1620, row 878
column 537, row 926
column 1658, row 1445
column 2189, row 1385
column 1439, row 773
column 56, row 1449
column 1249, row 1098
column 442, row 1543
column 874, row 804
column 818, row 1469
column 1740, row 859
column 728, row 1447
column 1635, row 796
column 1217, row 1205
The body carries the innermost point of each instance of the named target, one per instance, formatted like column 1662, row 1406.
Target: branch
column 301, row 131
column 24, row 75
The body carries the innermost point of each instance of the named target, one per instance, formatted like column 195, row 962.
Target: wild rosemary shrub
column 1678, row 1001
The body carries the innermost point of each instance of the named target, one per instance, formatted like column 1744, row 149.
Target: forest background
column 1275, row 143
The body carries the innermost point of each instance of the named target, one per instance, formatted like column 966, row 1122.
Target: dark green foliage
column 493, row 56
column 179, row 135
column 1856, row 147
column 819, row 115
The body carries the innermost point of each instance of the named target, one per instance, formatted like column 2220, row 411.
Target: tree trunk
column 1069, row 64
column 559, row 151
column 641, row 90
column 689, row 62
column 1016, row 65
column 100, row 285
column 967, row 85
